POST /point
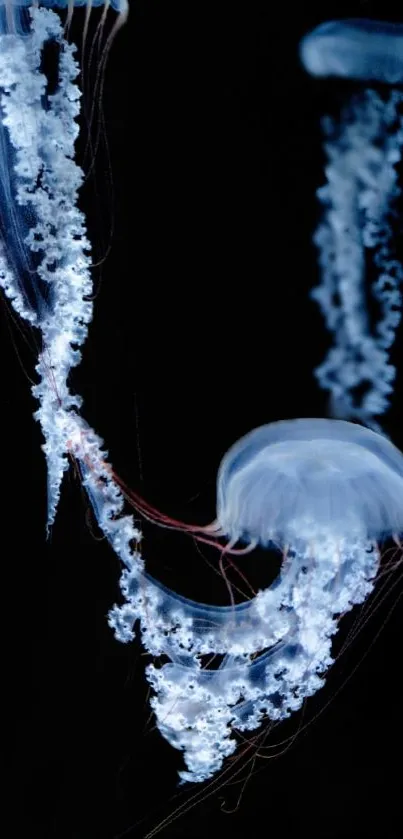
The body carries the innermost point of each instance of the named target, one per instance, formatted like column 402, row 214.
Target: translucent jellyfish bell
column 290, row 477
column 359, row 49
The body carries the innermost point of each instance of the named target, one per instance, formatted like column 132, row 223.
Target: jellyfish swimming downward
column 323, row 492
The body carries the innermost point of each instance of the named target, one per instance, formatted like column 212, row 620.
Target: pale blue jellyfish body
column 362, row 50
column 356, row 237
column 321, row 491
column 309, row 470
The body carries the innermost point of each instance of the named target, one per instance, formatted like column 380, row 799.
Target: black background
column 203, row 329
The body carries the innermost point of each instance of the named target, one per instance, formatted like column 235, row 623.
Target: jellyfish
column 360, row 289
column 324, row 493
column 359, row 49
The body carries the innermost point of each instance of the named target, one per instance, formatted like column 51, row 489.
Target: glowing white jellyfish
column 324, row 492
column 356, row 238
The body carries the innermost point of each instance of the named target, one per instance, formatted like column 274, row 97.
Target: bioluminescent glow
column 356, row 238
column 322, row 492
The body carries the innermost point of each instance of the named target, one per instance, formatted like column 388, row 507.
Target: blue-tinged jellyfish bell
column 360, row 289
column 363, row 50
column 294, row 476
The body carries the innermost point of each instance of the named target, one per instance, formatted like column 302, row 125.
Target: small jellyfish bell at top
column 325, row 493
column 360, row 289
column 359, row 49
